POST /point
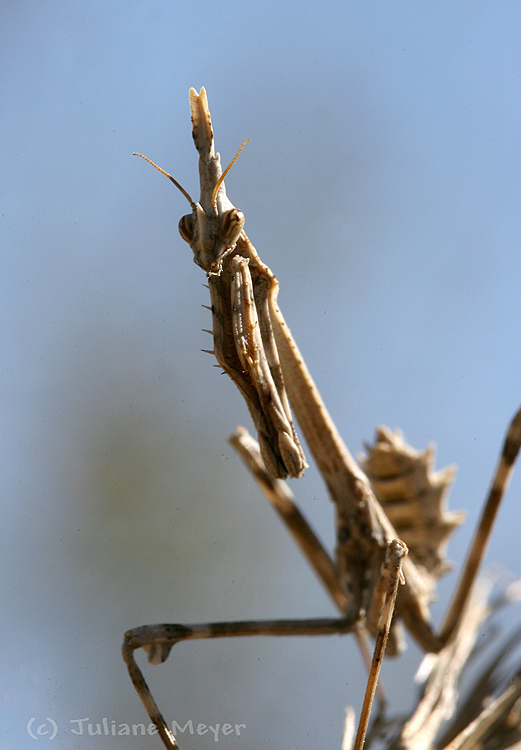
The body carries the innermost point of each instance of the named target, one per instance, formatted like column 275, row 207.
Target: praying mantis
column 373, row 581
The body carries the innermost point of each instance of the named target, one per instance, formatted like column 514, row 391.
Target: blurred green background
column 382, row 184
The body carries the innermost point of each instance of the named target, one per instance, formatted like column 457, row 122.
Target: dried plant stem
column 391, row 579
column 502, row 475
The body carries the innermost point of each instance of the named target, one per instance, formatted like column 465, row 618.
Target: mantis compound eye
column 186, row 228
column 231, row 225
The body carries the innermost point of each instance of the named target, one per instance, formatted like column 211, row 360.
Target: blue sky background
column 382, row 184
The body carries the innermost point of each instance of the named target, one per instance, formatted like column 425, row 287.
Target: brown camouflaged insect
column 255, row 348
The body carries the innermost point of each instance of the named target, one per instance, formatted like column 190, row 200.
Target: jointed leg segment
column 158, row 640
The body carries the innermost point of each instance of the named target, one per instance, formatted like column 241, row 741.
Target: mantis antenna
column 221, row 178
column 186, row 195
column 179, row 187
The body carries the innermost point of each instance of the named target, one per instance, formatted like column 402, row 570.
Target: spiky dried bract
column 414, row 498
